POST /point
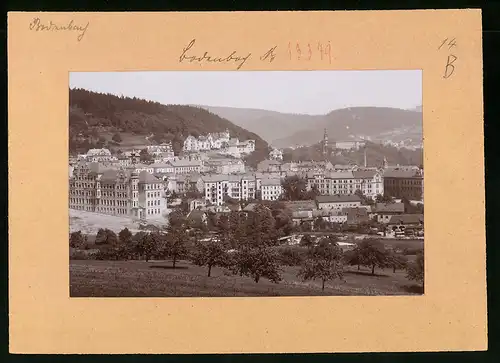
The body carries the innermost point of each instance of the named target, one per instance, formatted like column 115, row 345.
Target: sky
column 302, row 92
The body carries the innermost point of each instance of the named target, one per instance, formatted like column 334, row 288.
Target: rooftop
column 407, row 219
column 390, row 207
column 337, row 198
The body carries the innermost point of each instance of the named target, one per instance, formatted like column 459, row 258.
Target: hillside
column 270, row 125
column 377, row 123
column 375, row 154
column 95, row 117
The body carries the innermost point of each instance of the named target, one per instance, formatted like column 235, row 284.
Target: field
column 90, row 278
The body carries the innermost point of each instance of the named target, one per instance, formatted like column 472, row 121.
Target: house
column 269, row 166
column 271, row 189
column 197, row 204
column 385, row 211
column 250, row 208
column 300, row 205
column 302, row 216
column 406, row 224
column 356, row 215
column 276, row 154
column 338, row 202
column 331, row 216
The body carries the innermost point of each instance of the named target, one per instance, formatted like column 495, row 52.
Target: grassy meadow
column 92, row 278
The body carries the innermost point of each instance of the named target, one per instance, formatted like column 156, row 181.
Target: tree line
column 247, row 246
column 93, row 113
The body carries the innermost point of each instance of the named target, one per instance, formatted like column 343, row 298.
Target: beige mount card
column 43, row 48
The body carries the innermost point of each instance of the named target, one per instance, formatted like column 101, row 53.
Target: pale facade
column 212, row 141
column 338, row 202
column 239, row 187
column 271, row 189
column 349, row 145
column 276, row 154
column 118, row 192
column 347, row 182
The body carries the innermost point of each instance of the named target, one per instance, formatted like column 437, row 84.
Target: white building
column 98, row 156
column 217, row 187
column 270, row 189
column 212, row 141
column 349, row 145
column 338, row 202
column 276, row 154
column 119, row 192
column 224, row 166
column 369, row 182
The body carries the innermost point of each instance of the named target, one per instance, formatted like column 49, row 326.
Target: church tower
column 325, row 143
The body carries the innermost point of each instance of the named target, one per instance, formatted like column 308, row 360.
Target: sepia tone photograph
column 248, row 184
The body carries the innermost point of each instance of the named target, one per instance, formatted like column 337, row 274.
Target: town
column 208, row 185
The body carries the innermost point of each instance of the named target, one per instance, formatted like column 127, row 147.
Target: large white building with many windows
column 369, row 182
column 119, row 192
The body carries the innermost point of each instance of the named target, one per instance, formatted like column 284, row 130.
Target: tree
column 415, row 270
column 352, row 258
column 145, row 156
column 384, row 198
column 106, row 236
column 364, row 199
column 210, row 254
column 257, row 262
column 193, row 192
column 77, row 240
column 117, row 138
column 372, row 253
column 307, row 241
column 312, row 193
column 319, row 223
column 125, row 236
column 261, row 229
column 294, row 188
column 324, row 262
column 174, row 247
column 176, row 218
column 397, row 261
column 147, row 246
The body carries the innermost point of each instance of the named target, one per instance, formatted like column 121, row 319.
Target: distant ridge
column 287, row 129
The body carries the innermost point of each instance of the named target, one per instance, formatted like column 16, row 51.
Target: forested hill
column 93, row 117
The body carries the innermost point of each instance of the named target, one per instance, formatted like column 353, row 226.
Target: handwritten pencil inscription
column 37, row 25
column 449, row 67
column 188, row 55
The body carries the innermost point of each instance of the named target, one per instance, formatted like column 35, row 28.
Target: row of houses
column 336, row 209
column 222, row 142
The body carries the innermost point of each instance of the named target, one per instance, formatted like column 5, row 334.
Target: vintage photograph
column 246, row 183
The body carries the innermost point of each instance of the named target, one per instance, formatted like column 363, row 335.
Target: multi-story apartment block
column 183, row 166
column 119, row 192
column 270, row 189
column 404, row 184
column 217, row 187
column 224, row 166
column 369, row 182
